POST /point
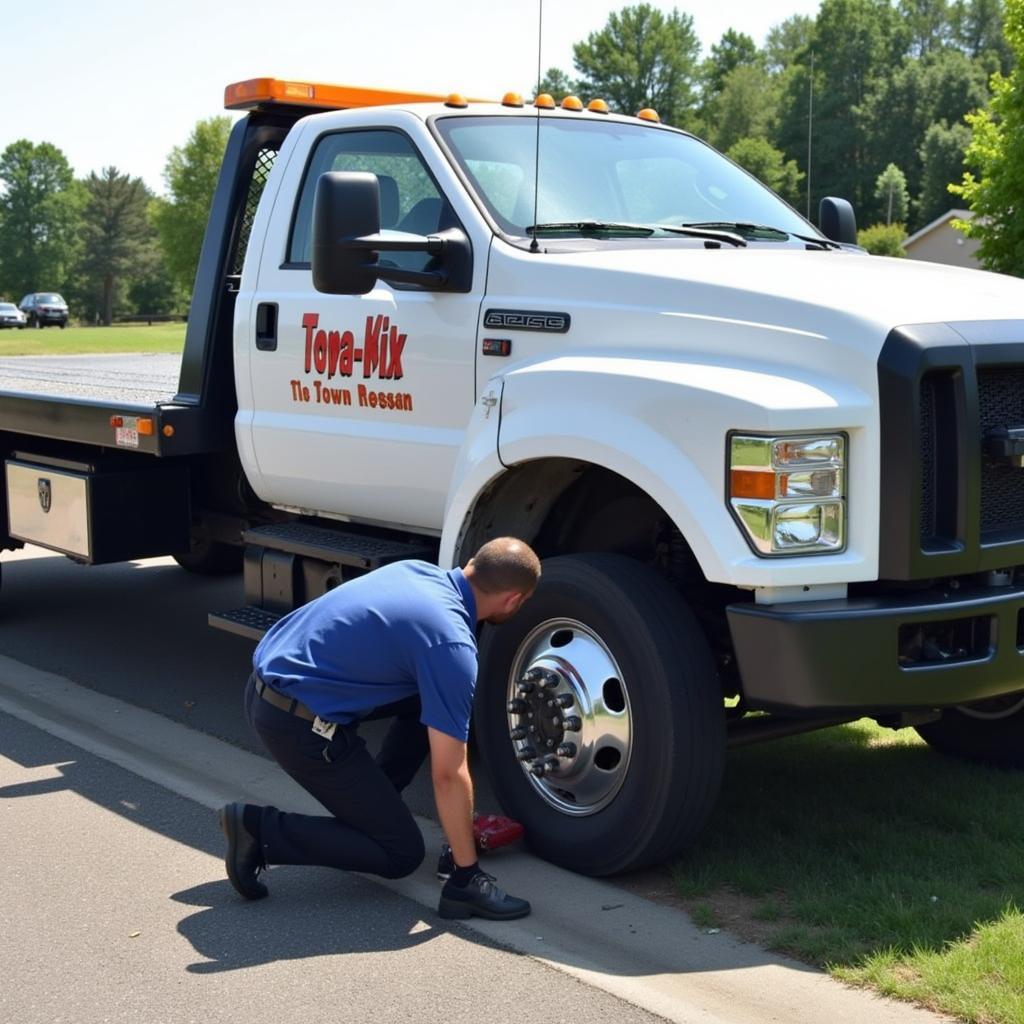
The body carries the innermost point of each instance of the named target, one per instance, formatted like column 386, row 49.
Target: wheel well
column 561, row 506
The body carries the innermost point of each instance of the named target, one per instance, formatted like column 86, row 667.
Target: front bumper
column 927, row 649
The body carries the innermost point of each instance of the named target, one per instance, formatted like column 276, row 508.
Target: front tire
column 642, row 716
column 991, row 732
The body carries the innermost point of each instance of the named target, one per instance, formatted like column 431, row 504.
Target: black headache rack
column 200, row 416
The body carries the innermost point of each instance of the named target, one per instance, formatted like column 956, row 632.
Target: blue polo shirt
column 404, row 629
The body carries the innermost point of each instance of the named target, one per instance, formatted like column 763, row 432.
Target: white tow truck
column 777, row 484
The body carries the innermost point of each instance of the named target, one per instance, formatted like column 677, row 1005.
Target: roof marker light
column 512, row 99
column 597, row 107
column 647, row 114
column 455, row 99
column 572, row 103
column 544, row 101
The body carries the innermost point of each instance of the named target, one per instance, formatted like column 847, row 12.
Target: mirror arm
column 428, row 278
column 383, row 243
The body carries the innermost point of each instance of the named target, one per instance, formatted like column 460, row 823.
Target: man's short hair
column 506, row 563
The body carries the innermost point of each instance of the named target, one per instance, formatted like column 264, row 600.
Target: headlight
column 788, row 493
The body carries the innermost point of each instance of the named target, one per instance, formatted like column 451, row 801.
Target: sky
column 119, row 82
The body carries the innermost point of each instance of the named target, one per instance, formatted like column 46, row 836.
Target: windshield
column 7, row 307
column 606, row 172
column 50, row 298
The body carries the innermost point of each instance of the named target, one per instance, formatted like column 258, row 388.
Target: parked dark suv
column 44, row 308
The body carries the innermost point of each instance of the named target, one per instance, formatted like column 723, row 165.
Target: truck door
column 360, row 402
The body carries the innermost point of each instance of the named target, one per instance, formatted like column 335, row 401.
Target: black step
column 249, row 621
column 335, row 545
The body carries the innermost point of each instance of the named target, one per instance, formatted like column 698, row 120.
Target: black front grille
column 1001, row 404
column 928, row 452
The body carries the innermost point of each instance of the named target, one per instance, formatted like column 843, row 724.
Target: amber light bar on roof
column 257, row 92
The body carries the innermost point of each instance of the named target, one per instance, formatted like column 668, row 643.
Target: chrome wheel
column 569, row 717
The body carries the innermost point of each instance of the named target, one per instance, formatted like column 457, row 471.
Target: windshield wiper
column 590, row 227
column 595, row 227
column 825, row 243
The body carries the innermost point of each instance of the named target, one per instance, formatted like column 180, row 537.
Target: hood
column 764, row 306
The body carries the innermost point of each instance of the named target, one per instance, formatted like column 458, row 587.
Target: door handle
column 266, row 326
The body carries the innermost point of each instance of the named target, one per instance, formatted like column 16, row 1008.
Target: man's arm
column 453, row 793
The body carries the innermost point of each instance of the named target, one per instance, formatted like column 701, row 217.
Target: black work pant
column 370, row 829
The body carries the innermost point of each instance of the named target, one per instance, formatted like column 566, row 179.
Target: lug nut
column 551, row 764
column 525, row 687
column 538, row 768
column 518, row 707
column 518, row 733
column 550, row 743
column 573, row 723
column 566, row 750
column 565, row 700
column 549, row 681
column 532, row 675
column 526, row 754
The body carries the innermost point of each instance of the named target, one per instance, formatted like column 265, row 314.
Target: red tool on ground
column 493, row 831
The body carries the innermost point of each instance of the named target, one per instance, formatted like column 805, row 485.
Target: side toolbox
column 108, row 510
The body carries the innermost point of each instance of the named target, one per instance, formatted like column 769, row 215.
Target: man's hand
column 453, row 793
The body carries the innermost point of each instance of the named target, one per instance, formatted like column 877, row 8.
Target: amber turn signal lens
column 597, row 107
column 747, row 483
column 145, row 426
column 512, row 99
column 545, row 101
column 572, row 103
column 455, row 99
column 647, row 114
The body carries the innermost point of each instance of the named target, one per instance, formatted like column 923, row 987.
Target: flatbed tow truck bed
column 142, row 380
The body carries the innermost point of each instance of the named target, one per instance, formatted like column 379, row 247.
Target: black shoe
column 243, row 861
column 480, row 898
column 445, row 863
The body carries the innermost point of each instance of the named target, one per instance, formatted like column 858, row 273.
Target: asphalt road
column 114, row 908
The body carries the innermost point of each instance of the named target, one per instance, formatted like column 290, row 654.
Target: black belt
column 279, row 700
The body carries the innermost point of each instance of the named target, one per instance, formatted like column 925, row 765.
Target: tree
column 855, row 44
column 115, row 233
column 787, row 41
column 942, row 86
column 642, row 58
column 977, row 27
column 891, row 193
column 996, row 193
column 733, row 50
column 746, row 107
column 883, row 239
column 39, row 210
column 765, row 162
column 928, row 22
column 191, row 176
column 558, row 84
column 942, row 157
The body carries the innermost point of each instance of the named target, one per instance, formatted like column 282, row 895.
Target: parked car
column 11, row 316
column 43, row 308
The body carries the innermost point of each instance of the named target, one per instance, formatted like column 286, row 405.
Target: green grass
column 861, row 850
column 78, row 340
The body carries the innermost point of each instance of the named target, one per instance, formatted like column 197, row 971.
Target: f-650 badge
column 527, row 320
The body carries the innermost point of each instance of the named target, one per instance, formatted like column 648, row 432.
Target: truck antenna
column 534, row 247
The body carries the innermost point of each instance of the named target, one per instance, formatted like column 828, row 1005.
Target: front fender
column 663, row 426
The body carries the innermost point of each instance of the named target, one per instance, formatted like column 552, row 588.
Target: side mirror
column 346, row 207
column 837, row 220
column 347, row 242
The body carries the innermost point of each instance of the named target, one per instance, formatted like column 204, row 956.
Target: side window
column 409, row 199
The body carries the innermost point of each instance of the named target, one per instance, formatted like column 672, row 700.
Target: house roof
column 938, row 222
